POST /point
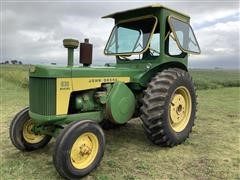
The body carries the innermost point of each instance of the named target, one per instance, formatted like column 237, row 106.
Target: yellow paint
column 64, row 89
column 65, row 86
column 80, row 84
column 84, row 150
column 180, row 109
column 28, row 135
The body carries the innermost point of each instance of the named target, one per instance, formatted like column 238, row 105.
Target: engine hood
column 74, row 72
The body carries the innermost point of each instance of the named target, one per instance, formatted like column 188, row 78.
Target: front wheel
column 21, row 134
column 79, row 149
column 169, row 107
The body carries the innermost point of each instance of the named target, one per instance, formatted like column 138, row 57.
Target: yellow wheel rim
column 30, row 136
column 84, row 150
column 180, row 109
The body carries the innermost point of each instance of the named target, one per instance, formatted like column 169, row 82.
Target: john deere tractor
column 150, row 79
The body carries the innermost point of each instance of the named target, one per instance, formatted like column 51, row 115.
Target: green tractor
column 149, row 79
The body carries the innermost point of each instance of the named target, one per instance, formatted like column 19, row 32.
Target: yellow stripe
column 95, row 82
column 64, row 89
column 65, row 86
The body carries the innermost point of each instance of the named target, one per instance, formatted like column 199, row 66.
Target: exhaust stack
column 70, row 44
column 86, row 53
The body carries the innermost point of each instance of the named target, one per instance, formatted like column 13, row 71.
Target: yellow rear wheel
column 180, row 109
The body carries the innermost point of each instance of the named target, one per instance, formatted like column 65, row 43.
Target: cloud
column 33, row 31
column 220, row 38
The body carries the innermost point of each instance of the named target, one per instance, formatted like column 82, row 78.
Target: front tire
column 169, row 107
column 79, row 149
column 21, row 133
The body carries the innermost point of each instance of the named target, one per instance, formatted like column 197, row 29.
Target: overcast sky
column 32, row 31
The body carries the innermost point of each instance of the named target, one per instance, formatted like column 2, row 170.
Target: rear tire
column 79, row 149
column 169, row 107
column 21, row 135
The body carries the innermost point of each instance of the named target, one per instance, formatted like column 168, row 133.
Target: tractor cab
column 154, row 33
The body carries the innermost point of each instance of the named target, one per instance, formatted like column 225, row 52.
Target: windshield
column 184, row 35
column 131, row 37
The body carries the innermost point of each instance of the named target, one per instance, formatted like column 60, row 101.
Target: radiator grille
column 42, row 95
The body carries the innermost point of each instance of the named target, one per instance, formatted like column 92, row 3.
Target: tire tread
column 153, row 102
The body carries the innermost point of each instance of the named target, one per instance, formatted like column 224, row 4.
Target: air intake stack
column 71, row 44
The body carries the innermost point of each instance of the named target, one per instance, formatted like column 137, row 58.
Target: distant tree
column 20, row 62
column 14, row 61
column 53, row 63
column 6, row 62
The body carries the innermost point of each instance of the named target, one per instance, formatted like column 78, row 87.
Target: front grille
column 42, row 95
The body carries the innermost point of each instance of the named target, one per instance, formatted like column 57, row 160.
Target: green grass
column 211, row 152
column 213, row 79
column 17, row 74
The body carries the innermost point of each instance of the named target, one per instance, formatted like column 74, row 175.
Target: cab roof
column 153, row 6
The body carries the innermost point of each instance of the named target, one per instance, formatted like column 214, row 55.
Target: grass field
column 211, row 152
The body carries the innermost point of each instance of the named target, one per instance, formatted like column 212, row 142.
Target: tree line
column 12, row 62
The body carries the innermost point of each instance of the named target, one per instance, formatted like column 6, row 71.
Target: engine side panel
column 65, row 86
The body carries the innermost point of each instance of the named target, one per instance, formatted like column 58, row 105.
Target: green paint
column 120, row 103
column 86, row 101
column 65, row 119
column 51, row 130
column 70, row 56
column 51, row 71
column 42, row 95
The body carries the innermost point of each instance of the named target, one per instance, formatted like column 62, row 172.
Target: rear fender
column 144, row 78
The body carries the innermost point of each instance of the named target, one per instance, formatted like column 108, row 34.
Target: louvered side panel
column 42, row 95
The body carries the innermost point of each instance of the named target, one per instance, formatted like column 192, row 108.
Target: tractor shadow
column 131, row 135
